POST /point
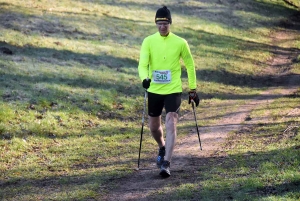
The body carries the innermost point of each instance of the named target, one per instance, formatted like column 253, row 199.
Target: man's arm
column 190, row 65
column 143, row 67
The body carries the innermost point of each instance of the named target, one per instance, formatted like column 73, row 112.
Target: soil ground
column 187, row 155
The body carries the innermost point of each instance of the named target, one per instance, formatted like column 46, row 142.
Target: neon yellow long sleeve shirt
column 160, row 61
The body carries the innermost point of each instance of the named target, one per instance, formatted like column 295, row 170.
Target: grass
column 71, row 100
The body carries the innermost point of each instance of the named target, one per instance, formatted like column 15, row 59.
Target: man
column 160, row 71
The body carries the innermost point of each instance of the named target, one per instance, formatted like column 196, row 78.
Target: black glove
column 193, row 96
column 146, row 83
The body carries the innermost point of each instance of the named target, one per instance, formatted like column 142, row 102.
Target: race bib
column 162, row 76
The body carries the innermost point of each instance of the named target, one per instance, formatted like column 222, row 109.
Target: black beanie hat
column 163, row 14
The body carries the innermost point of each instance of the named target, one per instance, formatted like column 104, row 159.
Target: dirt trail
column 187, row 155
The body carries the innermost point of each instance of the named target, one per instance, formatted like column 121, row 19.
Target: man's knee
column 154, row 124
column 171, row 118
column 154, row 128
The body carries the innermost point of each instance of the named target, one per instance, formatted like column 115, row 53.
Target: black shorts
column 156, row 103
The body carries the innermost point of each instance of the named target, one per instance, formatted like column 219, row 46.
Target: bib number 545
column 162, row 76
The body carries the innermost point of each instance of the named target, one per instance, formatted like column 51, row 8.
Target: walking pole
column 143, row 119
column 196, row 123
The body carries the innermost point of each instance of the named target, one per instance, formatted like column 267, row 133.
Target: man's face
column 163, row 27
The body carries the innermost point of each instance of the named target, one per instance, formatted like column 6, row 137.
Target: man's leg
column 155, row 107
column 171, row 122
column 157, row 130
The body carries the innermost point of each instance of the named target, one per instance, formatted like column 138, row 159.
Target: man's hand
column 146, row 83
column 193, row 96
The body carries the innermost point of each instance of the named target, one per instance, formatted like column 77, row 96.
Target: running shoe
column 165, row 169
